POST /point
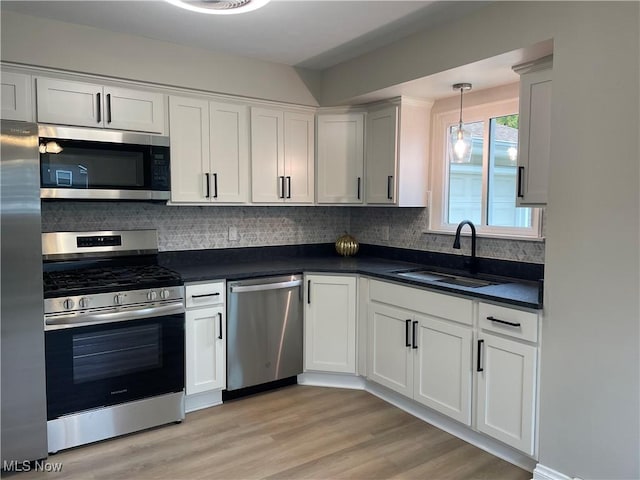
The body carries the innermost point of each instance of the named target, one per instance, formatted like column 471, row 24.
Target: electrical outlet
column 233, row 234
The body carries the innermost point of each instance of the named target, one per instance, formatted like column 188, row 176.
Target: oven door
column 111, row 363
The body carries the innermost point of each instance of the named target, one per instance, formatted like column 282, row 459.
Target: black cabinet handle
column 389, row 182
column 281, row 180
column 206, row 295
column 309, row 292
column 407, row 324
column 288, row 187
column 208, row 194
column 520, row 175
column 220, row 325
column 478, row 366
column 497, row 320
column 415, row 324
column 359, row 182
column 108, row 108
column 99, row 108
column 215, row 185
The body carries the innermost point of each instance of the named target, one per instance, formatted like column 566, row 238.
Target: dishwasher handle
column 265, row 286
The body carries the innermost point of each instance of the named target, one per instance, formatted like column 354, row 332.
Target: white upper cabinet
column 16, row 97
column 65, row 102
column 534, row 132
column 282, row 146
column 397, row 153
column 209, row 151
column 340, row 160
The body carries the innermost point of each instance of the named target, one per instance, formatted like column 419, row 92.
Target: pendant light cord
column 461, row 90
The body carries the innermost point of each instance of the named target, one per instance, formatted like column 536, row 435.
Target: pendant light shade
column 460, row 140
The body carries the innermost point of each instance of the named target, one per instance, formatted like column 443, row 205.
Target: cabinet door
column 382, row 149
column 205, row 336
column 534, row 137
column 299, row 157
column 69, row 103
column 267, row 156
column 127, row 109
column 16, row 97
column 506, row 391
column 189, row 127
column 443, row 368
column 229, row 136
column 340, row 158
column 390, row 353
column 330, row 324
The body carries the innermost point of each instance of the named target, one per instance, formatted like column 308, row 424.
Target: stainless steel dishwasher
column 264, row 330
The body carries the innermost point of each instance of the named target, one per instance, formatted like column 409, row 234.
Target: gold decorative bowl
column 346, row 245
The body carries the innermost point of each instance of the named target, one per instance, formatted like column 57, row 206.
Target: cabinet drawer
column 435, row 304
column 204, row 294
column 508, row 321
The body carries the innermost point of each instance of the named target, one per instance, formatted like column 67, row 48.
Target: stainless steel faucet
column 456, row 243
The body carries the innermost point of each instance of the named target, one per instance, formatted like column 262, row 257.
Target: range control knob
column 118, row 299
column 84, row 302
column 164, row 294
column 152, row 295
column 68, row 304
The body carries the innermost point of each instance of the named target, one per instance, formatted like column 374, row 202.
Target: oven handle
column 94, row 318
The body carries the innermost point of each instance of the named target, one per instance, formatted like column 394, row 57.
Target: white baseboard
column 198, row 401
column 545, row 473
column 423, row 413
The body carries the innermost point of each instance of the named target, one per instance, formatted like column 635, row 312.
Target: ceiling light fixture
column 219, row 7
column 460, row 141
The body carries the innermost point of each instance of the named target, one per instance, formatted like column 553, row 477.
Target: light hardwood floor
column 292, row 433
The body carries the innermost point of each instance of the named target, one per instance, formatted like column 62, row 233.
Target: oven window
column 116, row 352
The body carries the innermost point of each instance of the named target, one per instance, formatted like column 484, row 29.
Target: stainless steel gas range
column 114, row 336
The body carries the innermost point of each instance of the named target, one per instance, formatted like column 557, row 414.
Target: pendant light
column 460, row 141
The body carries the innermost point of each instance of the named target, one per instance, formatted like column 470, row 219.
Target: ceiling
column 304, row 33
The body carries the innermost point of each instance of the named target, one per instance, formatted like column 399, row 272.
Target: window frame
column 438, row 206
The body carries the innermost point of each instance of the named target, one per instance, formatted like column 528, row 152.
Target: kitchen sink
column 436, row 277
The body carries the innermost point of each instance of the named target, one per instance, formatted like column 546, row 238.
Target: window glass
column 464, row 197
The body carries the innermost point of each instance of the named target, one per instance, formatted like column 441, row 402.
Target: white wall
column 590, row 381
column 55, row 44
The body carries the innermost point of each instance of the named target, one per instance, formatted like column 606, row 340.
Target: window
column 484, row 189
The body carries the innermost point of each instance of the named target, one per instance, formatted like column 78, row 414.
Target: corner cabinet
column 205, row 337
column 282, row 156
column 16, row 97
column 81, row 104
column 534, row 132
column 397, row 153
column 209, row 151
column 341, row 158
column 330, row 323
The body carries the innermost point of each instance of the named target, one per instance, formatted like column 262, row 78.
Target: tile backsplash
column 195, row 228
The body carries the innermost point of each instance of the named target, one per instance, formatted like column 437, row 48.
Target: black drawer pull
column 220, row 325
column 389, row 183
column 407, row 325
column 415, row 344
column 359, row 180
column 497, row 320
column 215, row 185
column 108, row 108
column 308, row 292
column 520, row 175
column 288, row 187
column 208, row 194
column 99, row 103
column 478, row 366
column 206, row 295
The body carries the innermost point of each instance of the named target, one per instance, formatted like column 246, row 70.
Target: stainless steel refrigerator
column 24, row 409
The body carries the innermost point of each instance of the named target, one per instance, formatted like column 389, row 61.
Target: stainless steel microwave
column 94, row 164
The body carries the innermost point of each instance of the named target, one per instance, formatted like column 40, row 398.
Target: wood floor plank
column 298, row 432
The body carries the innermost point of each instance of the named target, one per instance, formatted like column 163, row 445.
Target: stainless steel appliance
column 87, row 163
column 23, row 419
column 114, row 336
column 264, row 330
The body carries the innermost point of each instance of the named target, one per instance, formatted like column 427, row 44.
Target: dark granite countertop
column 236, row 264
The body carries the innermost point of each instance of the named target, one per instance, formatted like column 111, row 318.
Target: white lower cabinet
column 418, row 355
column 205, row 337
column 330, row 323
column 506, row 378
